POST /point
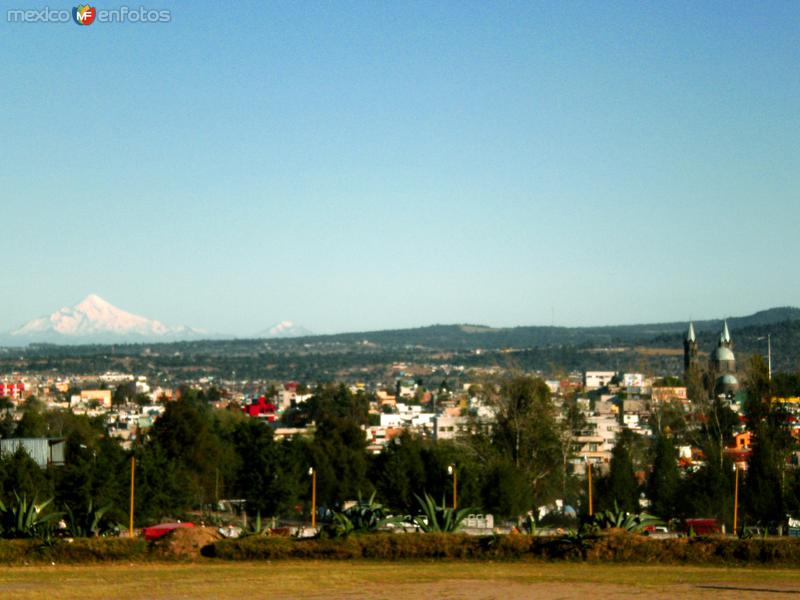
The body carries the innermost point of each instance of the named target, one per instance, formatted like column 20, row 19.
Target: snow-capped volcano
column 284, row 329
column 94, row 319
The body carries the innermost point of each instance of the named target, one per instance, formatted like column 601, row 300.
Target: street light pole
column 451, row 469
column 769, row 356
column 735, row 497
column 133, row 466
column 589, row 475
column 313, row 473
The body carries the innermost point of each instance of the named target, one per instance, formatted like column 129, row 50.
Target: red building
column 261, row 407
column 15, row 391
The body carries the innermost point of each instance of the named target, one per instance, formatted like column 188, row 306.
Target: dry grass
column 312, row 579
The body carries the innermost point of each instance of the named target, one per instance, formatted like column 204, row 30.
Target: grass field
column 433, row 580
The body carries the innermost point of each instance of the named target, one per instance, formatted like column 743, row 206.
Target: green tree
column 708, row 492
column 185, row 435
column 759, row 391
column 437, row 457
column 164, row 489
column 32, row 424
column 338, row 453
column 668, row 382
column 334, row 402
column 399, row 472
column 263, row 476
column 772, row 443
column 664, row 480
column 6, row 404
column 620, row 484
column 7, row 426
column 124, row 393
column 669, row 418
column 695, row 389
column 763, row 484
column 527, row 432
column 506, row 493
column 19, row 473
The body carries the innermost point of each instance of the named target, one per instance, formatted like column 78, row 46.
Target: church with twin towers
column 721, row 361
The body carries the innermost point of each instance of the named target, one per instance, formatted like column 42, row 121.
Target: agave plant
column 254, row 527
column 580, row 539
column 439, row 518
column 23, row 519
column 342, row 525
column 620, row 519
column 528, row 525
column 364, row 516
column 89, row 522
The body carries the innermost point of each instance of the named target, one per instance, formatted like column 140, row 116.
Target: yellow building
column 102, row 396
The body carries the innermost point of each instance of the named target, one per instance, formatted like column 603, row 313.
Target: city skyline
column 361, row 167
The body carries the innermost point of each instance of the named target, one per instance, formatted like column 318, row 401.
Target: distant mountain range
column 481, row 336
column 284, row 329
column 96, row 321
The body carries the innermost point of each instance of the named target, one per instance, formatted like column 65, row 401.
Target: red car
column 162, row 529
column 702, row 526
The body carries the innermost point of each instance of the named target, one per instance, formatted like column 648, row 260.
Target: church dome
column 727, row 384
column 722, row 354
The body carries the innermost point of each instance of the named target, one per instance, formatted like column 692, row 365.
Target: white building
column 597, row 379
column 447, row 428
column 606, row 427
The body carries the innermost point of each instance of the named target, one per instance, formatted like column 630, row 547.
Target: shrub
column 80, row 550
column 616, row 546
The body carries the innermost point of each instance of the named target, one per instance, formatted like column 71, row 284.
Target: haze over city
column 379, row 165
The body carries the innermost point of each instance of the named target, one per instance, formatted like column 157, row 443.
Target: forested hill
column 480, row 336
column 775, row 321
column 360, row 355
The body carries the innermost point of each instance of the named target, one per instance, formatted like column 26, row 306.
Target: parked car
column 162, row 529
column 702, row 526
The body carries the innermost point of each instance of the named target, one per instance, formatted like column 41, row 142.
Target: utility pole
column 313, row 472
column 769, row 356
column 736, row 498
column 451, row 469
column 133, row 467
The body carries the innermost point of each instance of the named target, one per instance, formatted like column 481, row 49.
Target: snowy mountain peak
column 284, row 329
column 94, row 318
column 93, row 300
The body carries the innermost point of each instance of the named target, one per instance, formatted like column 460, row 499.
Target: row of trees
column 195, row 455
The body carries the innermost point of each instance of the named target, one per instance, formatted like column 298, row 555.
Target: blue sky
column 368, row 165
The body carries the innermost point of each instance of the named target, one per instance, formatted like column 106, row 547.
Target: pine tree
column 664, row 480
column 620, row 486
column 764, row 496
